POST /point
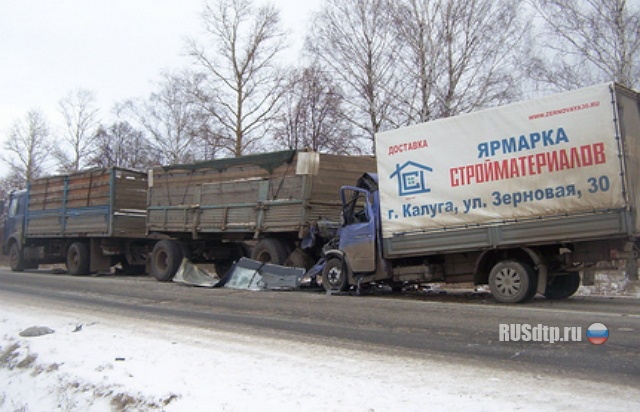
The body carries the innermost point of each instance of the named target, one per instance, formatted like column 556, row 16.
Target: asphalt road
column 454, row 327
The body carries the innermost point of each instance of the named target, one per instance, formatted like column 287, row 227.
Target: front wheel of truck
column 512, row 281
column 16, row 261
column 78, row 259
column 334, row 276
column 166, row 259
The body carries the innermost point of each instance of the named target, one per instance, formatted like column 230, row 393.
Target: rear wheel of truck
column 16, row 260
column 78, row 259
column 270, row 251
column 563, row 286
column 512, row 281
column 166, row 259
column 334, row 276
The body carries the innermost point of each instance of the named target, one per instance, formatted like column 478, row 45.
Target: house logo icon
column 411, row 178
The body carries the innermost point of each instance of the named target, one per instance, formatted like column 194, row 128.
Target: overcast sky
column 115, row 48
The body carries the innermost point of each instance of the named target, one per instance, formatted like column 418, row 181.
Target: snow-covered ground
column 100, row 362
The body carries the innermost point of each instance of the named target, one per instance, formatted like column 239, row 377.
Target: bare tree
column 457, row 55
column 178, row 129
column 13, row 181
column 415, row 22
column 28, row 148
column 312, row 116
column 81, row 120
column 587, row 41
column 123, row 146
column 353, row 41
column 242, row 86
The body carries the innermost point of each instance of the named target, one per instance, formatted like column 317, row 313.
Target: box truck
column 522, row 197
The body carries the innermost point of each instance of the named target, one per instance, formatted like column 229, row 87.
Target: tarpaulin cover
column 553, row 156
column 267, row 161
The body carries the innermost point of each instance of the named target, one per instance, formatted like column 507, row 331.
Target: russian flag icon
column 597, row 333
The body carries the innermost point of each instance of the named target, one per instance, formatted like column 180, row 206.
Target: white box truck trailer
column 522, row 197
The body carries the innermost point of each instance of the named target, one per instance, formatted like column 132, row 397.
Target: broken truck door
column 357, row 237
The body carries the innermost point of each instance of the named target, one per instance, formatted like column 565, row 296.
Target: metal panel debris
column 245, row 274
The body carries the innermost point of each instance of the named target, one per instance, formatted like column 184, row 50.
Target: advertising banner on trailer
column 553, row 156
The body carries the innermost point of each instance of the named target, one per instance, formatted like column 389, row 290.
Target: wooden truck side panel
column 335, row 171
column 278, row 192
column 100, row 203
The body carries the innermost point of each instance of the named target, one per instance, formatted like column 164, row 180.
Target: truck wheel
column 299, row 258
column 334, row 277
column 270, row 251
column 16, row 260
column 78, row 259
column 563, row 286
column 166, row 259
column 512, row 282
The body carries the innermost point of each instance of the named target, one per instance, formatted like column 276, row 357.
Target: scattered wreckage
column 247, row 274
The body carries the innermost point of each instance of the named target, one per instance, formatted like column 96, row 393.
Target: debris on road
column 244, row 274
column 254, row 275
column 192, row 275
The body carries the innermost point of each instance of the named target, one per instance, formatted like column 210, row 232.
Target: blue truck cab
column 14, row 230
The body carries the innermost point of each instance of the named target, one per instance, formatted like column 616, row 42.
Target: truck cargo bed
column 563, row 229
column 279, row 192
column 96, row 203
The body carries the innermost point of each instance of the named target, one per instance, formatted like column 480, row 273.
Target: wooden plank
column 44, row 222
column 186, row 178
column 90, row 223
column 129, row 226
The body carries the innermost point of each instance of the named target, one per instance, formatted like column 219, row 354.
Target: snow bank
column 94, row 362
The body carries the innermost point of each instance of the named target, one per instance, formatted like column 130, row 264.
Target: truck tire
column 166, row 259
column 563, row 286
column 512, row 281
column 78, row 259
column 299, row 258
column 270, row 251
column 334, row 276
column 16, row 260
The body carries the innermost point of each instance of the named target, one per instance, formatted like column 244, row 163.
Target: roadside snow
column 99, row 362
column 611, row 283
